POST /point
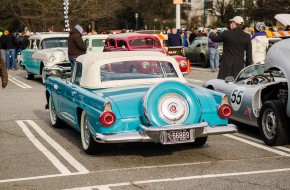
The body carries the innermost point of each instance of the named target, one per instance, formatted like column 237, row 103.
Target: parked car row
column 48, row 51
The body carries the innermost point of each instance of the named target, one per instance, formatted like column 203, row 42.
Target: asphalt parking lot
column 34, row 155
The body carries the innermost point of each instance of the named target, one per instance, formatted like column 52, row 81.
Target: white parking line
column 58, row 148
column 250, row 138
column 283, row 148
column 18, row 82
column 107, row 186
column 54, row 144
column 264, row 147
column 46, row 152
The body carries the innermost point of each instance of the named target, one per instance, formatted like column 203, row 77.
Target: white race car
column 259, row 94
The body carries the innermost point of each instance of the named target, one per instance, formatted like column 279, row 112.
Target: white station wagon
column 45, row 51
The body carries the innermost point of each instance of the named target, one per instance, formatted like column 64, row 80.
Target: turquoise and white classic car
column 108, row 103
column 45, row 51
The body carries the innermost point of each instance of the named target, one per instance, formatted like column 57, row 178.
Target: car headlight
column 51, row 58
column 145, row 65
column 183, row 63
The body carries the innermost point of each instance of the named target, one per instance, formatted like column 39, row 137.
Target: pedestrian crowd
column 11, row 44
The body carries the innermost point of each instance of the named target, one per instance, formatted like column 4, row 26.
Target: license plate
column 177, row 136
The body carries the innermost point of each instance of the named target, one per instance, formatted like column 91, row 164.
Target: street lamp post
column 136, row 17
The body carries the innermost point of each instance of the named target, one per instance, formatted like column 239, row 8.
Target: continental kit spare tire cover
column 171, row 102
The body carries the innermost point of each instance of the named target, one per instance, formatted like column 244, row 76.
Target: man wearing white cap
column 235, row 42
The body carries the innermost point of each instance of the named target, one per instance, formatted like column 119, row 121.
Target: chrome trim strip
column 150, row 134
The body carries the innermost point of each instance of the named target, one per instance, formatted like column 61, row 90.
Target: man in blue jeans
column 11, row 45
column 213, row 51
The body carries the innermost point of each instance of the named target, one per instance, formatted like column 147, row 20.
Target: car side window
column 87, row 42
column 38, row 44
column 78, row 74
column 121, row 44
column 112, row 42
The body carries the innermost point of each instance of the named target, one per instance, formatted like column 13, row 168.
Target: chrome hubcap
column 86, row 131
column 52, row 111
column 173, row 108
column 269, row 124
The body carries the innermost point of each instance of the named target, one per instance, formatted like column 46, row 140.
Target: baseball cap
column 238, row 19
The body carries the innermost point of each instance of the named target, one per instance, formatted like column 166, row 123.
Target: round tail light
column 225, row 111
column 107, row 118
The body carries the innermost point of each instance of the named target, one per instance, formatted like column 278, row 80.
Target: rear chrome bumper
column 150, row 134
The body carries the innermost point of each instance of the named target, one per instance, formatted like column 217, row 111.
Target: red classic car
column 139, row 42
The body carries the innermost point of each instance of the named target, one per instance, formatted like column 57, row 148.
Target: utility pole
column 177, row 3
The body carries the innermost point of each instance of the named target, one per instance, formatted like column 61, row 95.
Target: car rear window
column 144, row 42
column 139, row 69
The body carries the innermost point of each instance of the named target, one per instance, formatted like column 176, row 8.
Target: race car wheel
column 54, row 119
column 90, row 146
column 198, row 142
column 272, row 123
column 175, row 105
column 28, row 75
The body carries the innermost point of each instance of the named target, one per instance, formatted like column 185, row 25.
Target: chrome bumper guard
column 150, row 134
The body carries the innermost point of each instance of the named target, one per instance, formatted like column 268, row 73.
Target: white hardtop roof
column 48, row 35
column 96, row 36
column 283, row 19
column 92, row 62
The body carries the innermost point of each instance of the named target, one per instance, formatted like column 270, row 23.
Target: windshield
column 54, row 43
column 141, row 69
column 253, row 70
column 98, row 42
column 144, row 42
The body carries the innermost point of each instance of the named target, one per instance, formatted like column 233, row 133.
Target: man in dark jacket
column 174, row 39
column 11, row 45
column 76, row 45
column 235, row 42
column 193, row 35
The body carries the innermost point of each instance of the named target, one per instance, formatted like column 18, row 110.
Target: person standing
column 3, row 45
column 3, row 72
column 214, row 56
column 76, row 45
column 11, row 45
column 193, row 35
column 235, row 42
column 260, row 43
column 174, row 39
column 185, row 38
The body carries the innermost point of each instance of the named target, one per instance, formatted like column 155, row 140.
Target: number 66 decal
column 237, row 98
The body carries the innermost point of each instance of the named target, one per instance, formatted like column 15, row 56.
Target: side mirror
column 229, row 79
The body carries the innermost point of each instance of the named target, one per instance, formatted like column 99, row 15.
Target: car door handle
column 73, row 93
